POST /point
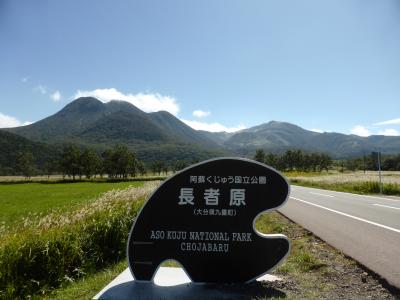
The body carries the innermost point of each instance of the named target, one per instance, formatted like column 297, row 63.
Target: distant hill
column 159, row 135
column 176, row 128
column 279, row 136
column 11, row 144
column 90, row 122
column 217, row 137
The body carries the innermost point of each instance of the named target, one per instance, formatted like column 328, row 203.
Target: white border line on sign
column 349, row 216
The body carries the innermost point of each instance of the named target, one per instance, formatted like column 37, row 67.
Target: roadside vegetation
column 313, row 270
column 46, row 252
column 34, row 200
column 352, row 182
column 87, row 287
column 355, row 175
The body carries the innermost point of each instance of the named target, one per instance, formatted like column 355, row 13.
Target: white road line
column 367, row 196
column 376, row 204
column 330, row 196
column 349, row 216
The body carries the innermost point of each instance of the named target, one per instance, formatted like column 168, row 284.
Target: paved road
column 366, row 228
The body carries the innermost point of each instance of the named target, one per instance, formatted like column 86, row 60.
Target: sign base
column 173, row 283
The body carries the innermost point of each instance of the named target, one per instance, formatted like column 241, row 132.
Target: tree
column 287, row 160
column 24, row 163
column 70, row 161
column 157, row 167
column 108, row 167
column 50, row 167
column 271, row 160
column 90, row 162
column 293, row 159
column 119, row 162
column 140, row 167
column 351, row 164
column 260, row 155
column 165, row 169
column 124, row 160
column 325, row 162
column 179, row 165
column 314, row 161
column 133, row 168
column 307, row 162
column 298, row 159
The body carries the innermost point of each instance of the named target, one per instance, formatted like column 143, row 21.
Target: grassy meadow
column 57, row 247
column 19, row 201
column 313, row 270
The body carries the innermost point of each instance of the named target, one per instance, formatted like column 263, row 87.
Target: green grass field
column 71, row 241
column 18, row 201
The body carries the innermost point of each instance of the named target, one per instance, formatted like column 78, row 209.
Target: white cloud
column 317, row 130
column 41, row 89
column 145, row 102
column 389, row 131
column 56, row 96
column 360, row 130
column 24, row 79
column 212, row 127
column 9, row 121
column 201, row 113
column 389, row 122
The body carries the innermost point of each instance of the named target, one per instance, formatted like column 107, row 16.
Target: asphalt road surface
column 367, row 228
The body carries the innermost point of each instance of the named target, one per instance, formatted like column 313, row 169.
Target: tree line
column 297, row 160
column 371, row 162
column 317, row 162
column 119, row 162
column 75, row 162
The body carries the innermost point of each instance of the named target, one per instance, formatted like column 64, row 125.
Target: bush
column 46, row 253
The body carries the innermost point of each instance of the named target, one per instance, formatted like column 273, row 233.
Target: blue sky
column 217, row 65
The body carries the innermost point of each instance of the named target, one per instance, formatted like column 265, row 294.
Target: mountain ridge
column 89, row 122
column 278, row 136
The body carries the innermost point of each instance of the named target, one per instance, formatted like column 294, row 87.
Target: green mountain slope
column 11, row 144
column 178, row 129
column 161, row 136
column 89, row 122
column 279, row 136
column 216, row 137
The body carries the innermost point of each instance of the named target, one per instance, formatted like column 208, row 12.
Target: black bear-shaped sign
column 204, row 217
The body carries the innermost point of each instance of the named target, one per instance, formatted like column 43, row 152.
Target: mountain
column 178, row 129
column 78, row 116
column 279, row 136
column 161, row 136
column 11, row 144
column 216, row 137
column 89, row 122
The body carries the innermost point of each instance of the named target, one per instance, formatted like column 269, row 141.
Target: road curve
column 366, row 228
